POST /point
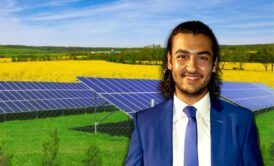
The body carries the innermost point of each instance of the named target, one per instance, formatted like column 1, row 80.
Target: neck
column 190, row 99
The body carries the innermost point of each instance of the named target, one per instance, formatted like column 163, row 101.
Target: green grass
column 26, row 137
column 265, row 127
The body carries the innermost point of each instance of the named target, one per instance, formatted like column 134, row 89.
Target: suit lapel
column 165, row 132
column 165, row 135
column 218, row 124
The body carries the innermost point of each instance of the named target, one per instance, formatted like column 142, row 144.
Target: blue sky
column 130, row 23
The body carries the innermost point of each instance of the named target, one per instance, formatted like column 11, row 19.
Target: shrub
column 50, row 149
column 5, row 158
column 93, row 156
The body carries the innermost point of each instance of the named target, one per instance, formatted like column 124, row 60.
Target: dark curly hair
column 167, row 85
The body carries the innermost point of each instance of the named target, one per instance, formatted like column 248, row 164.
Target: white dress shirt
column 180, row 121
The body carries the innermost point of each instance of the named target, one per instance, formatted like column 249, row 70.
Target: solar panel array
column 130, row 95
column 18, row 97
column 253, row 96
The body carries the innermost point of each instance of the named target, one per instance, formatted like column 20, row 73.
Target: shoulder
column 235, row 111
column 152, row 110
column 152, row 114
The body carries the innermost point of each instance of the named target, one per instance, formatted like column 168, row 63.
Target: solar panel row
column 110, row 85
column 132, row 95
column 25, row 85
column 129, row 95
column 41, row 105
column 134, row 102
column 253, row 96
column 39, row 96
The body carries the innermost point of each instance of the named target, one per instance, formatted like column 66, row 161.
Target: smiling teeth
column 192, row 78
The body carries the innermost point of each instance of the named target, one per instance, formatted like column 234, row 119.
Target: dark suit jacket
column 233, row 136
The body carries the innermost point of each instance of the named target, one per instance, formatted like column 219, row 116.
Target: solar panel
column 253, row 96
column 132, row 95
column 117, row 85
column 131, row 103
column 39, row 96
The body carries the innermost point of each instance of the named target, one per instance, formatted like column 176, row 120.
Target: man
column 193, row 127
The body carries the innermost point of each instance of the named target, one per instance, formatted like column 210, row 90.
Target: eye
column 183, row 56
column 203, row 58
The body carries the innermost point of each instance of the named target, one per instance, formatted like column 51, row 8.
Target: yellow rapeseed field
column 253, row 72
column 5, row 60
column 66, row 71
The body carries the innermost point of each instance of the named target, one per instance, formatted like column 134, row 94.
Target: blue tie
column 191, row 150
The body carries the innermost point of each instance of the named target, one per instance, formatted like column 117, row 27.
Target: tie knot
column 190, row 111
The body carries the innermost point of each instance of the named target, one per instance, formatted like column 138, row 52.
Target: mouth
column 193, row 77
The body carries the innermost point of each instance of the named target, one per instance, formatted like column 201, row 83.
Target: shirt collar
column 202, row 106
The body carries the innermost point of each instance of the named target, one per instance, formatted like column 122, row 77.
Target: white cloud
column 9, row 6
column 122, row 23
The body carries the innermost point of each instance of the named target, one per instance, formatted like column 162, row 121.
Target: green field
column 265, row 128
column 26, row 137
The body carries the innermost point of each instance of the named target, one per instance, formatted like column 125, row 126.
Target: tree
column 225, row 57
column 13, row 59
column 5, row 158
column 241, row 57
column 93, row 156
column 264, row 56
column 50, row 149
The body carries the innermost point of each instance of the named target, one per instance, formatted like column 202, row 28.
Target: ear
column 169, row 61
column 214, row 70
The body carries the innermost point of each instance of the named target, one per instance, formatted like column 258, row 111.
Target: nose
column 192, row 65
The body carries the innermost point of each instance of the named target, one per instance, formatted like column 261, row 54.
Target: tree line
column 154, row 54
column 263, row 54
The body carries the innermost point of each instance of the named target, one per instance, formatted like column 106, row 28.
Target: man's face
column 191, row 62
